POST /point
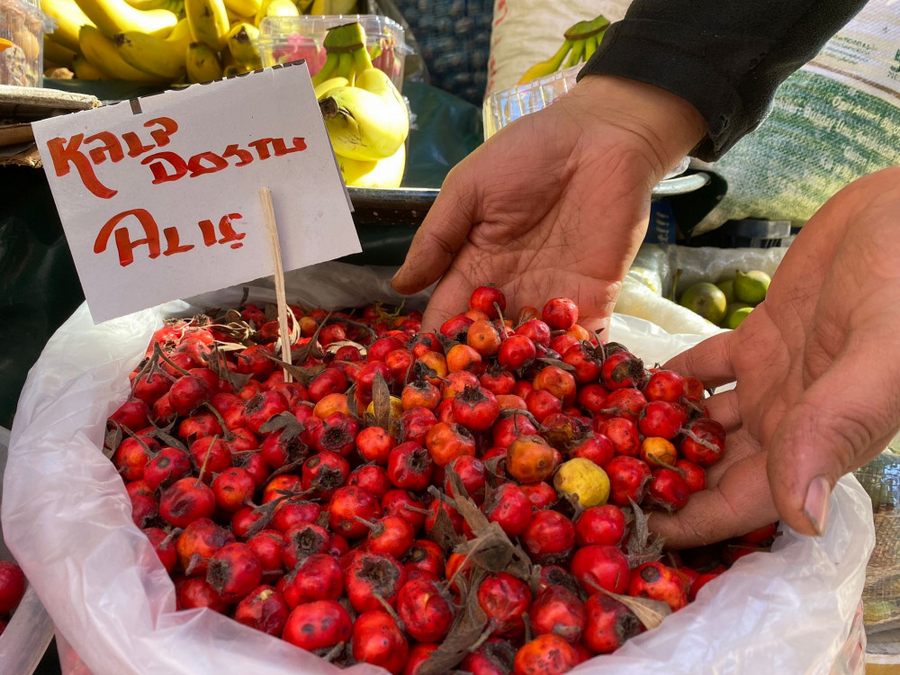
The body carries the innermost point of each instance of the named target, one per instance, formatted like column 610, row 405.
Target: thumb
column 843, row 420
column 442, row 233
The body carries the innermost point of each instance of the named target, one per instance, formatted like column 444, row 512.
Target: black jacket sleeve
column 726, row 57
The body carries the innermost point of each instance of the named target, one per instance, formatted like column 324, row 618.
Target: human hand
column 554, row 205
column 817, row 372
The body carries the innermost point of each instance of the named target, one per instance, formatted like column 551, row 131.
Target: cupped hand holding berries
column 556, row 204
column 817, row 373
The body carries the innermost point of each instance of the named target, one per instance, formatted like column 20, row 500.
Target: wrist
column 663, row 127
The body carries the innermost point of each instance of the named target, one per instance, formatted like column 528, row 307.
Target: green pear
column 707, row 300
column 727, row 287
column 751, row 287
column 736, row 314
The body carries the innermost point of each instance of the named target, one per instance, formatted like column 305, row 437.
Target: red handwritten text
column 117, row 228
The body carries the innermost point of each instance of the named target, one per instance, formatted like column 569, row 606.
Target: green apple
column 751, row 287
column 707, row 300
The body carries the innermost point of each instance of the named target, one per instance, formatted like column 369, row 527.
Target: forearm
column 724, row 57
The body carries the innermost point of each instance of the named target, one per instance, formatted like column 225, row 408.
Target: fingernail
column 816, row 505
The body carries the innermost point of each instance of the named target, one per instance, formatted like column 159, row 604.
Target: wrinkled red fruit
column 505, row 599
column 545, row 655
column 371, row 577
column 559, row 611
column 234, row 571
column 609, row 624
column 316, row 577
column 603, row 566
column 658, row 582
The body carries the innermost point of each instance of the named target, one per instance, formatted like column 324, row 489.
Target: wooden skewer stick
column 265, row 196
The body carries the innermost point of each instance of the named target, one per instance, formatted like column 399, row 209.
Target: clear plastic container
column 283, row 39
column 503, row 107
column 21, row 43
column 30, row 629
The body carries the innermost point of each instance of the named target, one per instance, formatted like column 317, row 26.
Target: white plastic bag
column 67, row 520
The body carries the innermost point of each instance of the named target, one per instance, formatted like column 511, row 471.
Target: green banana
column 544, row 68
column 242, row 44
column 208, row 21
column 165, row 58
column 368, row 121
column 575, row 54
column 202, row 63
column 579, row 44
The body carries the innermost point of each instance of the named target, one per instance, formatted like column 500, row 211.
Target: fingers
column 723, row 407
column 709, row 361
column 843, row 420
column 740, row 503
column 442, row 234
column 445, row 301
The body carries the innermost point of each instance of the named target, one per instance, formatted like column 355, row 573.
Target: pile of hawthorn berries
column 399, row 492
column 12, row 588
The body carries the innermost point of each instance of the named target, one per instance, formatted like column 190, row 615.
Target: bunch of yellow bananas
column 579, row 44
column 165, row 41
column 365, row 115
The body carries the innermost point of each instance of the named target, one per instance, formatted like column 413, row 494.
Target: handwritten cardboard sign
column 158, row 197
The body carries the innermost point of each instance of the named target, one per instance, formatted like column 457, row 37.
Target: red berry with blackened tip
column 195, row 593
column 456, row 327
column 550, row 537
column 622, row 369
column 261, row 408
column 304, row 540
column 554, row 575
column 234, row 571
column 372, row 576
column 628, row 479
column 511, row 427
column 545, row 655
column 336, row 434
column 426, row 556
column 318, row 625
column 264, row 609
column 609, row 624
column 476, row 408
column 658, row 582
column 425, row 610
column 410, row 467
column 703, row 441
column 378, row 640
column 197, row 543
column 324, row 473
column 604, row 525
column 558, row 611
